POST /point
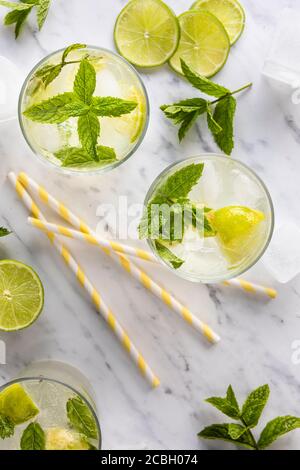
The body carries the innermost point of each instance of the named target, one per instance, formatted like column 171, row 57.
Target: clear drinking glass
column 115, row 77
column 51, row 387
column 224, row 182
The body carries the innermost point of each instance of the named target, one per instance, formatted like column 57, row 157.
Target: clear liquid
column 114, row 77
column 51, row 396
column 224, row 182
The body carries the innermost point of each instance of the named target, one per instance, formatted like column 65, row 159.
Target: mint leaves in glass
column 83, row 109
column 209, row 218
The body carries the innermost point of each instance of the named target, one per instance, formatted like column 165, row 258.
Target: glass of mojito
column 83, row 109
column 209, row 218
column 48, row 407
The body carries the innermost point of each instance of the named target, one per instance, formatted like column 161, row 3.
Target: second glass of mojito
column 209, row 218
column 48, row 407
column 83, row 109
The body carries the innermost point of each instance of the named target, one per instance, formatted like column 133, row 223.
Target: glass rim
column 271, row 224
column 99, row 170
column 42, row 378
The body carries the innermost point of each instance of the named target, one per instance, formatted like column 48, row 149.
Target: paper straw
column 252, row 288
column 93, row 240
column 82, row 278
column 124, row 261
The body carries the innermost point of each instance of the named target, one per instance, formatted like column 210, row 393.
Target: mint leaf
column 187, row 123
column 224, row 117
column 227, row 405
column 168, row 256
column 276, row 428
column 4, row 232
column 235, row 431
column 71, row 48
column 189, row 105
column 212, row 124
column 254, row 405
column 42, row 11
column 112, row 107
column 179, row 184
column 106, row 153
column 33, row 438
column 15, row 6
column 221, row 431
column 7, row 427
column 81, row 417
column 88, row 132
column 85, row 82
column 203, row 84
column 18, row 17
column 56, row 110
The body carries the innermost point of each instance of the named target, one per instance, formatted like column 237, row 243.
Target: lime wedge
column 146, row 33
column 63, row 439
column 204, row 44
column 229, row 12
column 16, row 404
column 21, row 295
column 237, row 230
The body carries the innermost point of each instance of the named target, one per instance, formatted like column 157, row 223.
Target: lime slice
column 16, row 404
column 204, row 44
column 229, row 12
column 237, row 230
column 63, row 439
column 146, row 33
column 132, row 124
column 21, row 295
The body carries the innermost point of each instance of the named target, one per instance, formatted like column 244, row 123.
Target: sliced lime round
column 21, row 295
column 229, row 12
column 204, row 44
column 146, row 33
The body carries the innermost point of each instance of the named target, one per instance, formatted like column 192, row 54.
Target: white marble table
column 257, row 335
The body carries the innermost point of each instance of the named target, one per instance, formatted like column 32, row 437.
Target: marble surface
column 257, row 335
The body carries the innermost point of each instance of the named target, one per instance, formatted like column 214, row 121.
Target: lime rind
column 133, row 58
column 174, row 62
column 27, row 296
column 233, row 36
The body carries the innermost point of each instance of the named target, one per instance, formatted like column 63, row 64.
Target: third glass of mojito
column 83, row 109
column 48, row 407
column 209, row 218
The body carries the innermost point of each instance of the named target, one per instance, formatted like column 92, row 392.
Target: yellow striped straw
column 252, row 288
column 82, row 278
column 124, row 261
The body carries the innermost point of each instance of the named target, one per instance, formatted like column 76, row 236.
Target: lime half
column 16, row 404
column 237, row 230
column 204, row 44
column 21, row 295
column 229, row 12
column 146, row 33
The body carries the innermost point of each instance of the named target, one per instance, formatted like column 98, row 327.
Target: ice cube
column 282, row 258
column 107, row 84
column 246, row 191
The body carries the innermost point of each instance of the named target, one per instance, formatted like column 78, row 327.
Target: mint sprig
column 20, row 11
column 220, row 112
column 33, row 438
column 81, row 417
column 7, row 427
column 81, row 104
column 248, row 417
column 168, row 256
column 49, row 73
